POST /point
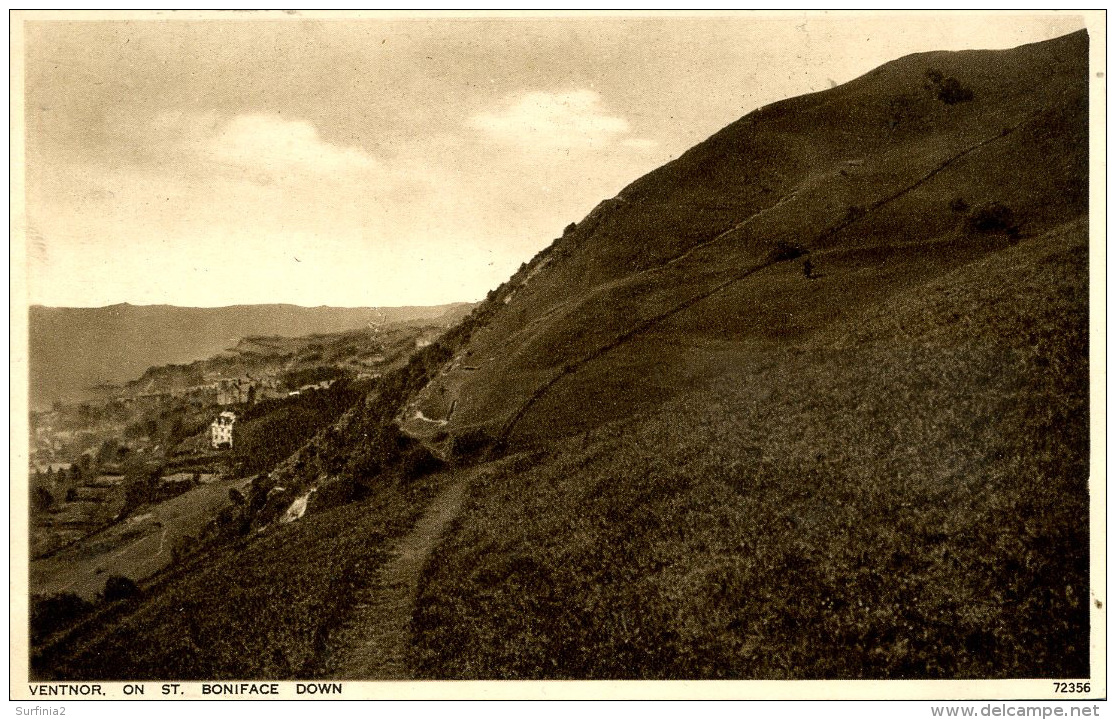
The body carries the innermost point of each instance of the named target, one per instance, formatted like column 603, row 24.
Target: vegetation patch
column 261, row 607
column 993, row 218
column 272, row 430
column 905, row 502
column 949, row 90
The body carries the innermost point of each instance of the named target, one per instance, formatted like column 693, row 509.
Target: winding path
column 651, row 323
column 373, row 644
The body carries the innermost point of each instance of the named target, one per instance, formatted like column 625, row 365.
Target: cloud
column 274, row 144
column 207, row 208
column 573, row 119
column 264, row 147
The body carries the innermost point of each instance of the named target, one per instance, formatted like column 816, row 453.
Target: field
column 89, row 507
column 136, row 547
column 263, row 607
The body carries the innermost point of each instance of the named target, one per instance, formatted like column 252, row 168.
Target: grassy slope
column 263, row 607
column 135, row 549
column 790, row 172
column 903, row 496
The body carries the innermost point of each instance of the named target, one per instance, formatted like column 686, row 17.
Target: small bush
column 183, row 548
column 949, row 90
column 784, row 250
column 118, row 587
column 52, row 613
column 231, row 522
column 470, row 444
column 993, row 218
column 958, row 205
column 417, row 461
column 41, row 499
column 335, row 492
column 276, row 503
column 141, row 484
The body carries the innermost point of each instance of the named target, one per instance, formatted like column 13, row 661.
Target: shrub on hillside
column 118, row 587
column 993, row 218
column 52, row 613
column 784, row 250
column 231, row 522
column 949, row 90
column 184, row 547
column 334, row 492
column 469, row 444
column 109, row 452
column 417, row 461
column 141, row 484
column 276, row 502
column 41, row 499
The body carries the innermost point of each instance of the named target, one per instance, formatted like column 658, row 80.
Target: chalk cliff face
column 913, row 171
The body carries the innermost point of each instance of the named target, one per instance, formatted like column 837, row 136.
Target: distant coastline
column 75, row 350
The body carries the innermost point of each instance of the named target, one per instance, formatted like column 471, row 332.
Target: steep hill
column 877, row 468
column 74, row 349
column 881, row 181
column 688, row 454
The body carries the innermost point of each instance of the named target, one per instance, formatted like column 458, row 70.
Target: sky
column 389, row 161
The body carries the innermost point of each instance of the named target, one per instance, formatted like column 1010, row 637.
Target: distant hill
column 74, row 349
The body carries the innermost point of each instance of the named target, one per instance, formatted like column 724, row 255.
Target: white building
column 221, row 430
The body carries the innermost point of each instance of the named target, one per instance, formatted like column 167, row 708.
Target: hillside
column 877, row 180
column 810, row 401
column 72, row 350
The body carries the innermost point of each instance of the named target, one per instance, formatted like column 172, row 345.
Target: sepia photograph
column 557, row 346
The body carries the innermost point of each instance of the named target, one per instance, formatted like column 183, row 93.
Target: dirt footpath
column 373, row 643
